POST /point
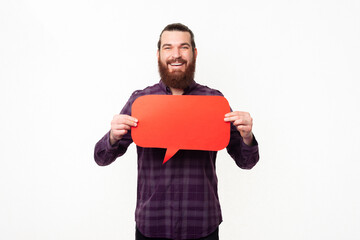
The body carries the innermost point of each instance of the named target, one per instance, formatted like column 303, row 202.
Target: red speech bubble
column 181, row 122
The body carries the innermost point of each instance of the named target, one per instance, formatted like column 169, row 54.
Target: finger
column 238, row 120
column 230, row 114
column 235, row 113
column 244, row 128
column 124, row 117
column 242, row 121
column 125, row 121
column 121, row 127
column 123, row 132
column 129, row 123
column 130, row 118
column 231, row 118
column 119, row 133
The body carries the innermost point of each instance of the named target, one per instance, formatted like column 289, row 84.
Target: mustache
column 177, row 60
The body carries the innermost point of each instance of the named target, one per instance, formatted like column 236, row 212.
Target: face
column 176, row 59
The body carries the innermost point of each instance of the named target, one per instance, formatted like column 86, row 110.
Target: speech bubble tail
column 169, row 153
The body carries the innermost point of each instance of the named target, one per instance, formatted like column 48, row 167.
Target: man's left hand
column 243, row 123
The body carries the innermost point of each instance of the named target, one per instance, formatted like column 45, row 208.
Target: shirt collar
column 186, row 90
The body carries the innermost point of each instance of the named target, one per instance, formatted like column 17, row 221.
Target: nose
column 176, row 54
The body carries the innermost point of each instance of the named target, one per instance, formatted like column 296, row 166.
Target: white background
column 66, row 67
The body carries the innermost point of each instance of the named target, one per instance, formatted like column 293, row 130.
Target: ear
column 195, row 53
column 158, row 54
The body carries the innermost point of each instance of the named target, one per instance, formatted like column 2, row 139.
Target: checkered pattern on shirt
column 178, row 199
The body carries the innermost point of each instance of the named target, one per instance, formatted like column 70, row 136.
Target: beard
column 177, row 79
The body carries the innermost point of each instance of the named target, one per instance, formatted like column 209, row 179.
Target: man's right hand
column 120, row 125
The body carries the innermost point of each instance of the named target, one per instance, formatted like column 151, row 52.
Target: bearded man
column 177, row 200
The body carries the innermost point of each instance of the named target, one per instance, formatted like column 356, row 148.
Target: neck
column 176, row 91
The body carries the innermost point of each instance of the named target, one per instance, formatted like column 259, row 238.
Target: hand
column 243, row 122
column 120, row 125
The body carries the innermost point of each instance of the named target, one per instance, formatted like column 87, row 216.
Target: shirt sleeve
column 245, row 156
column 105, row 153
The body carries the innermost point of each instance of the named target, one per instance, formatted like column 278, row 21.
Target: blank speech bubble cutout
column 181, row 122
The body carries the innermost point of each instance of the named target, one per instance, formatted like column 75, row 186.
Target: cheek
column 189, row 57
column 163, row 56
column 162, row 60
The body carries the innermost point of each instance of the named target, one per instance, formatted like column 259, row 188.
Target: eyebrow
column 185, row 44
column 169, row 45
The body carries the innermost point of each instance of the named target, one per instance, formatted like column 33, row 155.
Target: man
column 178, row 199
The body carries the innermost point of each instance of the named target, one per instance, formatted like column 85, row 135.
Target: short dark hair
column 178, row 27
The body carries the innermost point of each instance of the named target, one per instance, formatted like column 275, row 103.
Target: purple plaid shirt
column 178, row 199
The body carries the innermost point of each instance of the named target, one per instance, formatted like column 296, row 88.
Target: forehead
column 175, row 37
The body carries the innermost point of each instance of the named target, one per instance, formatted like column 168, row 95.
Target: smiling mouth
column 176, row 64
